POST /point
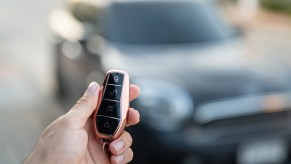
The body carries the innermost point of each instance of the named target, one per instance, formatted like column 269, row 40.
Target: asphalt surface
column 26, row 77
column 27, row 84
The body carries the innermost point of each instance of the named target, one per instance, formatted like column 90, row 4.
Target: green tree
column 283, row 6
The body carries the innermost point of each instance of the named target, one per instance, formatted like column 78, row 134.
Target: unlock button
column 113, row 92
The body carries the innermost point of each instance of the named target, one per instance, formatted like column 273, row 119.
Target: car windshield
column 164, row 23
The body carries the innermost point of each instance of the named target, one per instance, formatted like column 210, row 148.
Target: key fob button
column 115, row 78
column 109, row 108
column 112, row 92
column 106, row 125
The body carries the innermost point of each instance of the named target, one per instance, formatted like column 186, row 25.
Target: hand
column 71, row 137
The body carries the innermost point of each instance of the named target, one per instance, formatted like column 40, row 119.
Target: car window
column 164, row 23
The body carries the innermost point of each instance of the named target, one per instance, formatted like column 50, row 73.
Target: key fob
column 110, row 116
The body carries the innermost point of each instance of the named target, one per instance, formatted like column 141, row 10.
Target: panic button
column 112, row 92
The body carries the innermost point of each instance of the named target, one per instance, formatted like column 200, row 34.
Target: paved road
column 26, row 82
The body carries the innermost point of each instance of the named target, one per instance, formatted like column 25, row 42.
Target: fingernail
column 118, row 145
column 119, row 158
column 92, row 88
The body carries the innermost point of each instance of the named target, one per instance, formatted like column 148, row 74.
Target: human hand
column 71, row 137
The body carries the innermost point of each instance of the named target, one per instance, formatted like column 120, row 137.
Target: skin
column 71, row 138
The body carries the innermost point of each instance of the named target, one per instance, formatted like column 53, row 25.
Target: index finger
column 133, row 117
column 134, row 91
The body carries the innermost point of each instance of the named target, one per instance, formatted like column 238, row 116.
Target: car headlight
column 163, row 105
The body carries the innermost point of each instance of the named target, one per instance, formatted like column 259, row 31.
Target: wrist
column 34, row 158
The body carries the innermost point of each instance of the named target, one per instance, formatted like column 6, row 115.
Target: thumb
column 85, row 106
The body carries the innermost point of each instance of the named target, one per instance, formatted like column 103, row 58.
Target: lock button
column 112, row 92
column 115, row 78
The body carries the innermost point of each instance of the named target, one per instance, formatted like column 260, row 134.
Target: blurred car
column 205, row 98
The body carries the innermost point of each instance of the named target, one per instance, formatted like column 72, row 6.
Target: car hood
column 183, row 57
column 208, row 71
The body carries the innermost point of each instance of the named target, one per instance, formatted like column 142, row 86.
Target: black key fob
column 110, row 116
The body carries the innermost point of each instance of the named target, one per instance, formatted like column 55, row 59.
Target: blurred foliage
column 283, row 6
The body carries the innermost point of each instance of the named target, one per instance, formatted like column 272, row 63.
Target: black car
column 203, row 99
